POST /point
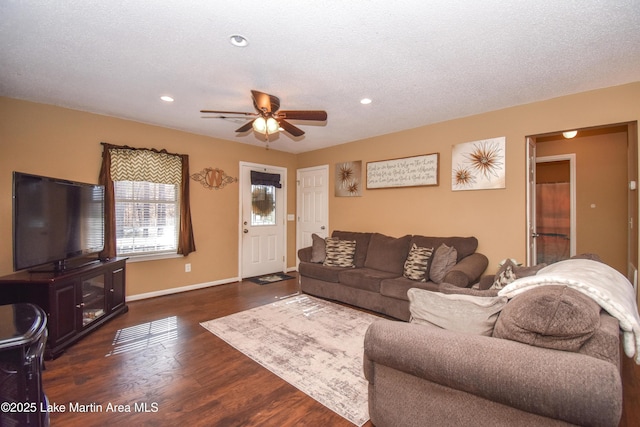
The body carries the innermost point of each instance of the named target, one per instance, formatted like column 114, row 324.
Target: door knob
column 323, row 227
column 245, row 231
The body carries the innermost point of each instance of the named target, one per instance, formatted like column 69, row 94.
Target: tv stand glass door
column 92, row 302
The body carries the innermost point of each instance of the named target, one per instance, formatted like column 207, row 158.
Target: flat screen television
column 55, row 221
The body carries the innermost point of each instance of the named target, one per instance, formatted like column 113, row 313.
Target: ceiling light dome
column 238, row 40
column 570, row 134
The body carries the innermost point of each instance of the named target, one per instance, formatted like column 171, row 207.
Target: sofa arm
column 304, row 254
column 576, row 388
column 467, row 271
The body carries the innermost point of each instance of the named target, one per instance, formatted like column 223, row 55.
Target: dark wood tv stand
column 76, row 301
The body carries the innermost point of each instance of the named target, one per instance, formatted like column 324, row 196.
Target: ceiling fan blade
column 295, row 131
column 317, row 115
column 245, row 127
column 265, row 102
column 227, row 112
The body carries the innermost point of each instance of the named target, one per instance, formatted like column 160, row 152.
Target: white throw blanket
column 603, row 284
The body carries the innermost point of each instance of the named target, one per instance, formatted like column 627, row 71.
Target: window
column 147, row 217
column 263, row 200
column 146, row 202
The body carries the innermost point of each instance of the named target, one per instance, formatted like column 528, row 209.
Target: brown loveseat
column 376, row 279
column 552, row 359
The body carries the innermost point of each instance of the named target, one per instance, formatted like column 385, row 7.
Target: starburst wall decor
column 349, row 179
column 478, row 165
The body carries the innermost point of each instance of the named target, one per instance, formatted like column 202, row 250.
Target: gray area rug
column 313, row 344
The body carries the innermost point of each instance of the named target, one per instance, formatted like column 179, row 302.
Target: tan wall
column 496, row 217
column 601, row 193
column 64, row 143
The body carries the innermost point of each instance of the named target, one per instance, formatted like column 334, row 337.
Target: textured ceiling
column 421, row 61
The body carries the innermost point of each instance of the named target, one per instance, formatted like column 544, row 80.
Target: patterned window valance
column 145, row 165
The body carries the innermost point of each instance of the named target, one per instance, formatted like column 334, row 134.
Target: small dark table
column 23, row 335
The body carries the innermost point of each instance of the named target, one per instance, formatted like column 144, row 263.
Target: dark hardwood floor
column 158, row 357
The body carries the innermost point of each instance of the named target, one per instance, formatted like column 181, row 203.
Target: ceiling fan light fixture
column 238, row 41
column 260, row 125
column 570, row 134
column 267, row 126
column 272, row 125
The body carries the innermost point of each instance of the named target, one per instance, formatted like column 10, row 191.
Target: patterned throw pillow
column 505, row 275
column 415, row 267
column 339, row 253
column 510, row 271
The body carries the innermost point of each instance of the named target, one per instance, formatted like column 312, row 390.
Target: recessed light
column 238, row 40
column 365, row 101
column 166, row 98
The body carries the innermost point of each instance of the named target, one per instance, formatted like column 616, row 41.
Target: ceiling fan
column 269, row 119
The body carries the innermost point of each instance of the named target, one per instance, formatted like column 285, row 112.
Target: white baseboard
column 181, row 289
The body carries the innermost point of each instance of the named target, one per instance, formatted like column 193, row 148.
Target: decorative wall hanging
column 213, row 178
column 414, row 171
column 478, row 165
column 349, row 179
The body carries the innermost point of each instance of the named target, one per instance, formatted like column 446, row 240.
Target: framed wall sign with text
column 413, row 171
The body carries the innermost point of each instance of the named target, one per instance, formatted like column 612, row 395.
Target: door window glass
column 263, row 205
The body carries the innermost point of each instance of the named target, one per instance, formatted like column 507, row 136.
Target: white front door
column 262, row 223
column 313, row 204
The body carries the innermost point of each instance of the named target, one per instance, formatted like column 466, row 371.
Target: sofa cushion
column 387, row 253
column 339, row 253
column 364, row 278
column 556, row 317
column 362, row 244
column 416, row 266
column 397, row 287
column 455, row 312
column 320, row 272
column 318, row 248
column 465, row 246
column 444, row 259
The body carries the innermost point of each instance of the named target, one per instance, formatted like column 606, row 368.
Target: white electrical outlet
column 187, row 268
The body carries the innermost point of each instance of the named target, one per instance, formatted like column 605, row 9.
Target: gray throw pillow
column 318, row 248
column 455, row 312
column 443, row 260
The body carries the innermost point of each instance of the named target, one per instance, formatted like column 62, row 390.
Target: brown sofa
column 376, row 281
column 552, row 359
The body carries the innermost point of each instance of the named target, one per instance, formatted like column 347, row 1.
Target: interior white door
column 262, row 230
column 313, row 204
